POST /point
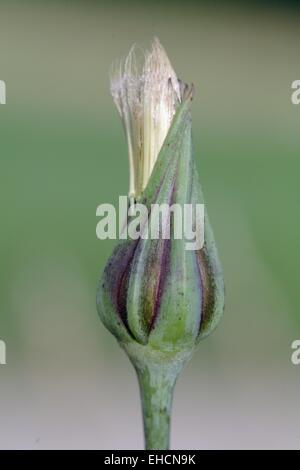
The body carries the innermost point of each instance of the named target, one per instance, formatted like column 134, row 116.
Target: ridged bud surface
column 155, row 292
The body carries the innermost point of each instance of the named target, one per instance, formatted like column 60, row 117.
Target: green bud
column 155, row 296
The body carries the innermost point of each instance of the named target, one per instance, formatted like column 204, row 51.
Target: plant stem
column 157, row 373
column 156, row 387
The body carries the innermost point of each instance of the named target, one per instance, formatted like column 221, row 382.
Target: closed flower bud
column 156, row 296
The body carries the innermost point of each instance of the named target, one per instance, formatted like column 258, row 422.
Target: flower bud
column 156, row 292
column 158, row 298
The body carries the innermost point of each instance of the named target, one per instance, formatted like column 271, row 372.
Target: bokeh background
column 67, row 384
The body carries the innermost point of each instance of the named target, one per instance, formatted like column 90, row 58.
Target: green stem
column 157, row 372
column 156, row 387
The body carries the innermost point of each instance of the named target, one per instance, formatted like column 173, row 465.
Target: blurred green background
column 62, row 153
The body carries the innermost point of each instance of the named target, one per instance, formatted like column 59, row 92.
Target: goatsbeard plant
column 157, row 298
